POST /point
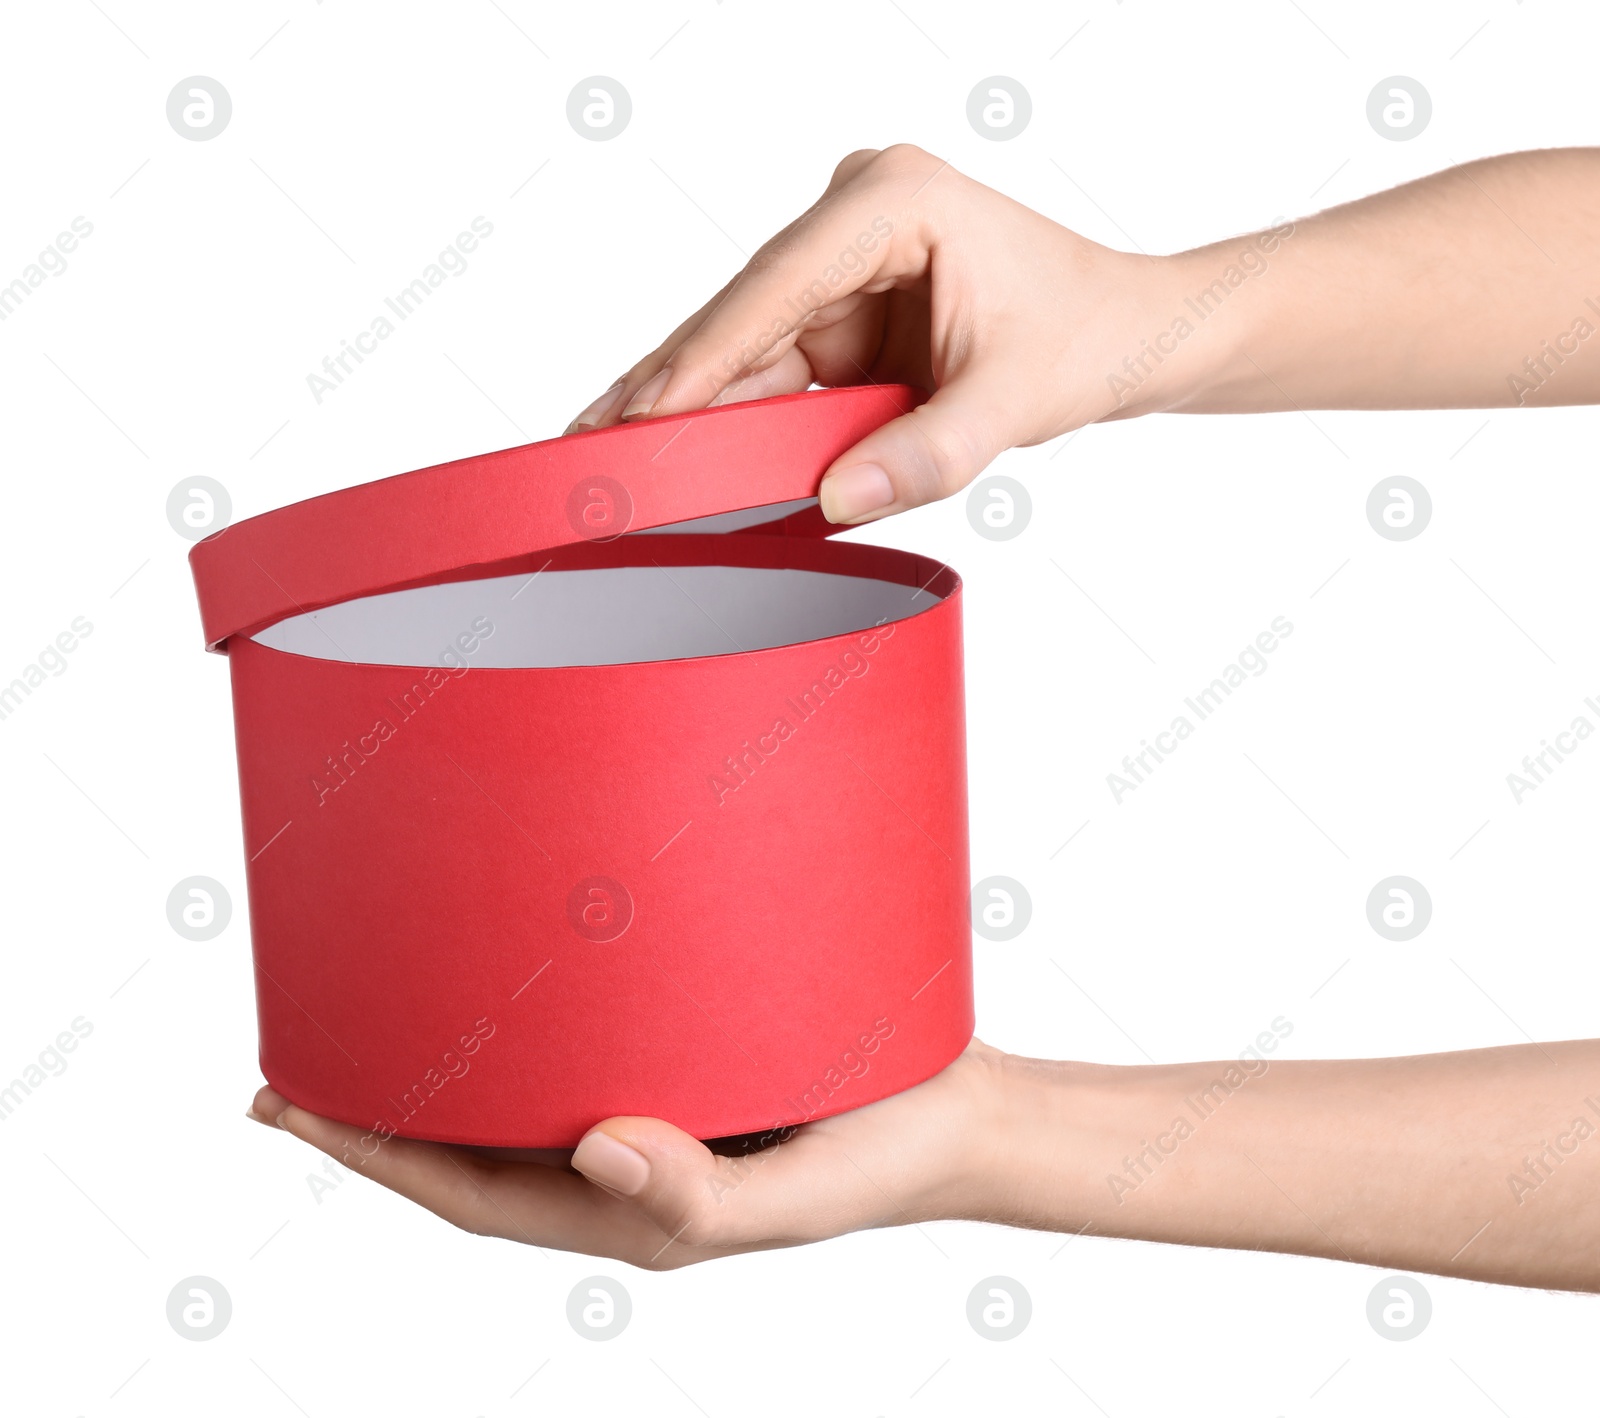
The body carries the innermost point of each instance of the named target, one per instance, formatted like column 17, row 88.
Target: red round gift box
column 588, row 778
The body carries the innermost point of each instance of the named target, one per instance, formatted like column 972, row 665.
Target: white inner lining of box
column 596, row 616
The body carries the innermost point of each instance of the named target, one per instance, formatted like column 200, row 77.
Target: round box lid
column 751, row 466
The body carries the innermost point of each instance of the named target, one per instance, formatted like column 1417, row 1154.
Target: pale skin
column 1465, row 289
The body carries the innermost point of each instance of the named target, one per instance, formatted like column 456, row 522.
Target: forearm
column 1484, row 1164
column 1475, row 287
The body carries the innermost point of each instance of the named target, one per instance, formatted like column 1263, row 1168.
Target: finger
column 789, row 375
column 932, row 452
column 849, row 166
column 793, row 1185
column 607, row 408
column 636, row 391
column 684, row 1188
column 595, row 413
column 865, row 236
column 846, row 345
column 516, row 1201
column 448, row 1181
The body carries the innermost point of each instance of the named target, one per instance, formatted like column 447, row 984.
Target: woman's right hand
column 905, row 271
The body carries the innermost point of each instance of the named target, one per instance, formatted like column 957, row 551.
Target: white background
column 363, row 138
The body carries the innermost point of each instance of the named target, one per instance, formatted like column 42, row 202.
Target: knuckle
column 646, row 367
column 904, row 160
column 706, row 1214
column 851, row 164
column 950, row 453
column 696, row 1224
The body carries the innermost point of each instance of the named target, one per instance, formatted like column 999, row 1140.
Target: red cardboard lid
column 486, row 511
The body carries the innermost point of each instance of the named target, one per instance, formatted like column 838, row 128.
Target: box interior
column 596, row 616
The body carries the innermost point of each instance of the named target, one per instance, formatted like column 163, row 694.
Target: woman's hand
column 904, row 271
column 641, row 1190
column 1472, row 288
column 1481, row 1164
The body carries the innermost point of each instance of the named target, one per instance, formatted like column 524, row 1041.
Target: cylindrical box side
column 498, row 905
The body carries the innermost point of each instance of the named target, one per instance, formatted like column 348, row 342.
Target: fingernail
column 854, row 493
column 609, row 1163
column 261, row 1118
column 597, row 410
column 644, row 400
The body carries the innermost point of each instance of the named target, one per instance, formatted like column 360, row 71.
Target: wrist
column 1200, row 341
column 1039, row 1133
column 1233, row 294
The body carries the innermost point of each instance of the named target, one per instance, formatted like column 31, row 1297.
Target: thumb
column 929, row 453
column 676, row 1180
